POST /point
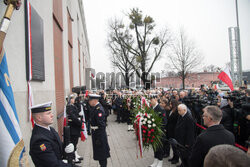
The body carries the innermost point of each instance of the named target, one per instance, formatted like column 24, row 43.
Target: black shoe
column 89, row 133
column 175, row 161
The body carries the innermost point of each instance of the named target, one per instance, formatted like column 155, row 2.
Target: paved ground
column 122, row 148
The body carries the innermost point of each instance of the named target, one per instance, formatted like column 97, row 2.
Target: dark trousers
column 159, row 153
column 175, row 153
column 129, row 120
column 166, row 148
column 103, row 163
column 118, row 115
column 88, row 126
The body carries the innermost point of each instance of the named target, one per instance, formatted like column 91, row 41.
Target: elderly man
column 214, row 135
column 185, row 131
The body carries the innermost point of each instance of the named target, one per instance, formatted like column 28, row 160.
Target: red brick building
column 193, row 80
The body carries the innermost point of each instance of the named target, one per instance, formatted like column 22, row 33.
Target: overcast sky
column 205, row 21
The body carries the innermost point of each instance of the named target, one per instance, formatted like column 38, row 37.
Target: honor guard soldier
column 75, row 123
column 99, row 136
column 46, row 148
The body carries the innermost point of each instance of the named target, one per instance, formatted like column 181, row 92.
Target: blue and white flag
column 11, row 142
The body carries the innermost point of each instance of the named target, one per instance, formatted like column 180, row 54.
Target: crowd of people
column 184, row 113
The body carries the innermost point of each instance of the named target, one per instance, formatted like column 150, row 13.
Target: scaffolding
column 235, row 55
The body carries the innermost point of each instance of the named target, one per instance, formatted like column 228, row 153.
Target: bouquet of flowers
column 147, row 125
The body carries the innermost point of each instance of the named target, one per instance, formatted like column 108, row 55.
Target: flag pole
column 12, row 5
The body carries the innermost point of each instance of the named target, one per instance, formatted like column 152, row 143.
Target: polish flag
column 64, row 117
column 84, row 134
column 225, row 77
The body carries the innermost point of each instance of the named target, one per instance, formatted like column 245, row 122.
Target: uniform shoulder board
column 98, row 108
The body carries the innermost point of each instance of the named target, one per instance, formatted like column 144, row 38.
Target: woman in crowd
column 165, row 104
column 170, row 128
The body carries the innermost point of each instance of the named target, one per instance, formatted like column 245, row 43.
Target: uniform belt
column 94, row 127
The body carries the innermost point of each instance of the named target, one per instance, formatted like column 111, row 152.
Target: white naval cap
column 41, row 107
column 94, row 96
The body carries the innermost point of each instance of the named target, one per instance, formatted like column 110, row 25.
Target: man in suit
column 214, row 135
column 46, row 148
column 159, row 153
column 185, row 132
column 118, row 106
column 99, row 136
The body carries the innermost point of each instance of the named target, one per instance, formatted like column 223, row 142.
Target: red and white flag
column 30, row 94
column 64, row 117
column 225, row 77
column 84, row 134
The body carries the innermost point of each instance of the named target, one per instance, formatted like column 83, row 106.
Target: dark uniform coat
column 74, row 122
column 99, row 136
column 46, row 148
column 213, row 136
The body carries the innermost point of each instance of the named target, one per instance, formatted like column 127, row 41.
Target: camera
column 79, row 89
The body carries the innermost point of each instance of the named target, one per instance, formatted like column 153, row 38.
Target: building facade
column 194, row 80
column 65, row 56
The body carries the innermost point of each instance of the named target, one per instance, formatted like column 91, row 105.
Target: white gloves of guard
column 69, row 148
column 81, row 113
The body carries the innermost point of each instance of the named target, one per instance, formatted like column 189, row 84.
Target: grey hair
column 183, row 106
column 215, row 113
column 226, row 156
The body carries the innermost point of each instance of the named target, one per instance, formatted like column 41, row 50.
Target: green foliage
column 148, row 20
column 136, row 17
column 156, row 41
column 138, row 59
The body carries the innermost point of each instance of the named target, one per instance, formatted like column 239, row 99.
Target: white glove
column 81, row 113
column 69, row 148
column 65, row 161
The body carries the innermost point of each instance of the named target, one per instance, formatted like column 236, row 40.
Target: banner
column 11, row 142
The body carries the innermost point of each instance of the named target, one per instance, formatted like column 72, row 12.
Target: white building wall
column 14, row 46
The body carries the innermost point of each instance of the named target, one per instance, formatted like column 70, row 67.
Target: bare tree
column 211, row 68
column 144, row 44
column 120, row 56
column 184, row 56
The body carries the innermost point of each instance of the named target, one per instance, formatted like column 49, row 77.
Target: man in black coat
column 185, row 132
column 46, row 148
column 215, row 134
column 99, row 136
column 118, row 106
column 159, row 153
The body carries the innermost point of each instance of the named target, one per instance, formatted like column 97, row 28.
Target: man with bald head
column 185, row 131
